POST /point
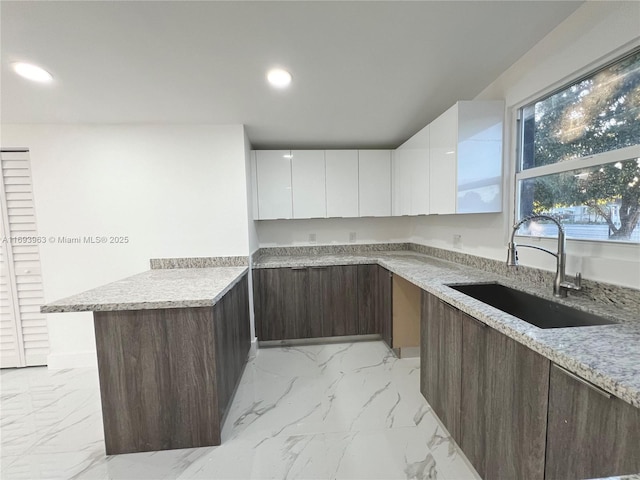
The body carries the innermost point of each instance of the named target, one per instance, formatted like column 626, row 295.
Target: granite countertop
column 608, row 356
column 162, row 288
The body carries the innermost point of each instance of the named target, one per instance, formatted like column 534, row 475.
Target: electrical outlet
column 352, row 237
column 457, row 241
column 312, row 238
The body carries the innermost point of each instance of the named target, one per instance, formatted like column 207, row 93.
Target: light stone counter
column 608, row 355
column 158, row 288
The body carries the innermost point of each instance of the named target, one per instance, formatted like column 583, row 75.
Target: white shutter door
column 10, row 346
column 21, row 266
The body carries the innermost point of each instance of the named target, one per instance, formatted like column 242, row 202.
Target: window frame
column 517, row 174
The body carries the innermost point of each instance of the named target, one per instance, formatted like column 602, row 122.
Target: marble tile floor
column 338, row 411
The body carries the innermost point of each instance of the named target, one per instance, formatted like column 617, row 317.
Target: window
column 579, row 156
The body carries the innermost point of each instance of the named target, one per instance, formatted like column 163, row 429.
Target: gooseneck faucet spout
column 560, row 285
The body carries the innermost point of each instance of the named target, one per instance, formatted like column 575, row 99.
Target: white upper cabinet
column 401, row 175
column 253, row 171
column 442, row 162
column 411, row 175
column 466, row 158
column 342, row 183
column 374, row 183
column 479, row 179
column 273, row 175
column 308, row 184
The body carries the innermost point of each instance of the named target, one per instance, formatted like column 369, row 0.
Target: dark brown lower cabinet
column 281, row 303
column 311, row 302
column 516, row 396
column 368, row 301
column 232, row 341
column 167, row 376
column 591, row 433
column 440, row 360
column 341, row 312
column 384, row 305
column 473, row 393
column 489, row 391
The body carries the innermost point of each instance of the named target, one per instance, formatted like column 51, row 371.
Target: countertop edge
column 60, row 307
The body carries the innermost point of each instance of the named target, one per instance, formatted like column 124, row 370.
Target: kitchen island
column 171, row 345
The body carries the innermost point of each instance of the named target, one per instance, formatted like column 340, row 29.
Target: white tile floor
column 349, row 410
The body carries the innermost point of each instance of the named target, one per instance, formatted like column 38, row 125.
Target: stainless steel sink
column 537, row 311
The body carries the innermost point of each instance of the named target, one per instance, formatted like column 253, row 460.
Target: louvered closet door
column 24, row 340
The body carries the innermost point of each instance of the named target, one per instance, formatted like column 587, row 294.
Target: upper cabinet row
column 321, row 183
column 453, row 165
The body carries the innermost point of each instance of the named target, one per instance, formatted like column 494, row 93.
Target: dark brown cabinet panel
column 384, row 307
column 440, row 360
column 473, row 392
column 167, row 376
column 590, row 433
column 281, row 303
column 341, row 314
column 319, row 299
column 488, row 390
column 517, row 388
column 232, row 342
column 368, row 317
column 311, row 302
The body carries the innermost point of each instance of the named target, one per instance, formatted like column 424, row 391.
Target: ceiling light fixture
column 279, row 78
column 32, row 72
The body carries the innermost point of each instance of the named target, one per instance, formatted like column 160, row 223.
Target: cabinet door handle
column 583, row 381
column 319, row 268
column 298, row 268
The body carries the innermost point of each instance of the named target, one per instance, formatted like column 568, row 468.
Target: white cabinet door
column 253, row 171
column 342, row 183
column 443, row 162
column 418, row 149
column 274, row 184
column 402, row 182
column 374, row 183
column 479, row 178
column 418, row 161
column 308, row 184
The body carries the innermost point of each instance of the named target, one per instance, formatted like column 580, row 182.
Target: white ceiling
column 365, row 74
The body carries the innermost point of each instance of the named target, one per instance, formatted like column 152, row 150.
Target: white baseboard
column 59, row 361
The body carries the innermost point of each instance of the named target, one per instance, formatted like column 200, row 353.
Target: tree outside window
column 579, row 154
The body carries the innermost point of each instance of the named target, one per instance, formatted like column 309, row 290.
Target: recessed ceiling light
column 279, row 78
column 32, row 72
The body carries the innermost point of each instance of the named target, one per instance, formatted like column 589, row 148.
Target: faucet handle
column 576, row 285
column 578, row 281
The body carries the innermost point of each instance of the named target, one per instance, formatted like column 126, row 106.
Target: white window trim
column 612, row 156
column 512, row 159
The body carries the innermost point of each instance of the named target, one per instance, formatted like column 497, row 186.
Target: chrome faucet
column 560, row 285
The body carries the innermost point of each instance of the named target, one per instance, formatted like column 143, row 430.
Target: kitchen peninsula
column 172, row 344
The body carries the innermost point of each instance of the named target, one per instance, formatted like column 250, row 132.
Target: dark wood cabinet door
column 368, row 317
column 319, row 299
column 473, row 392
column 280, row 296
column 383, row 309
column 590, row 433
column 232, row 341
column 516, row 399
column 341, row 314
column 441, row 360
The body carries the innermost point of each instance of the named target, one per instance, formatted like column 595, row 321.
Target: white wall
column 175, row 191
column 595, row 33
column 276, row 233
